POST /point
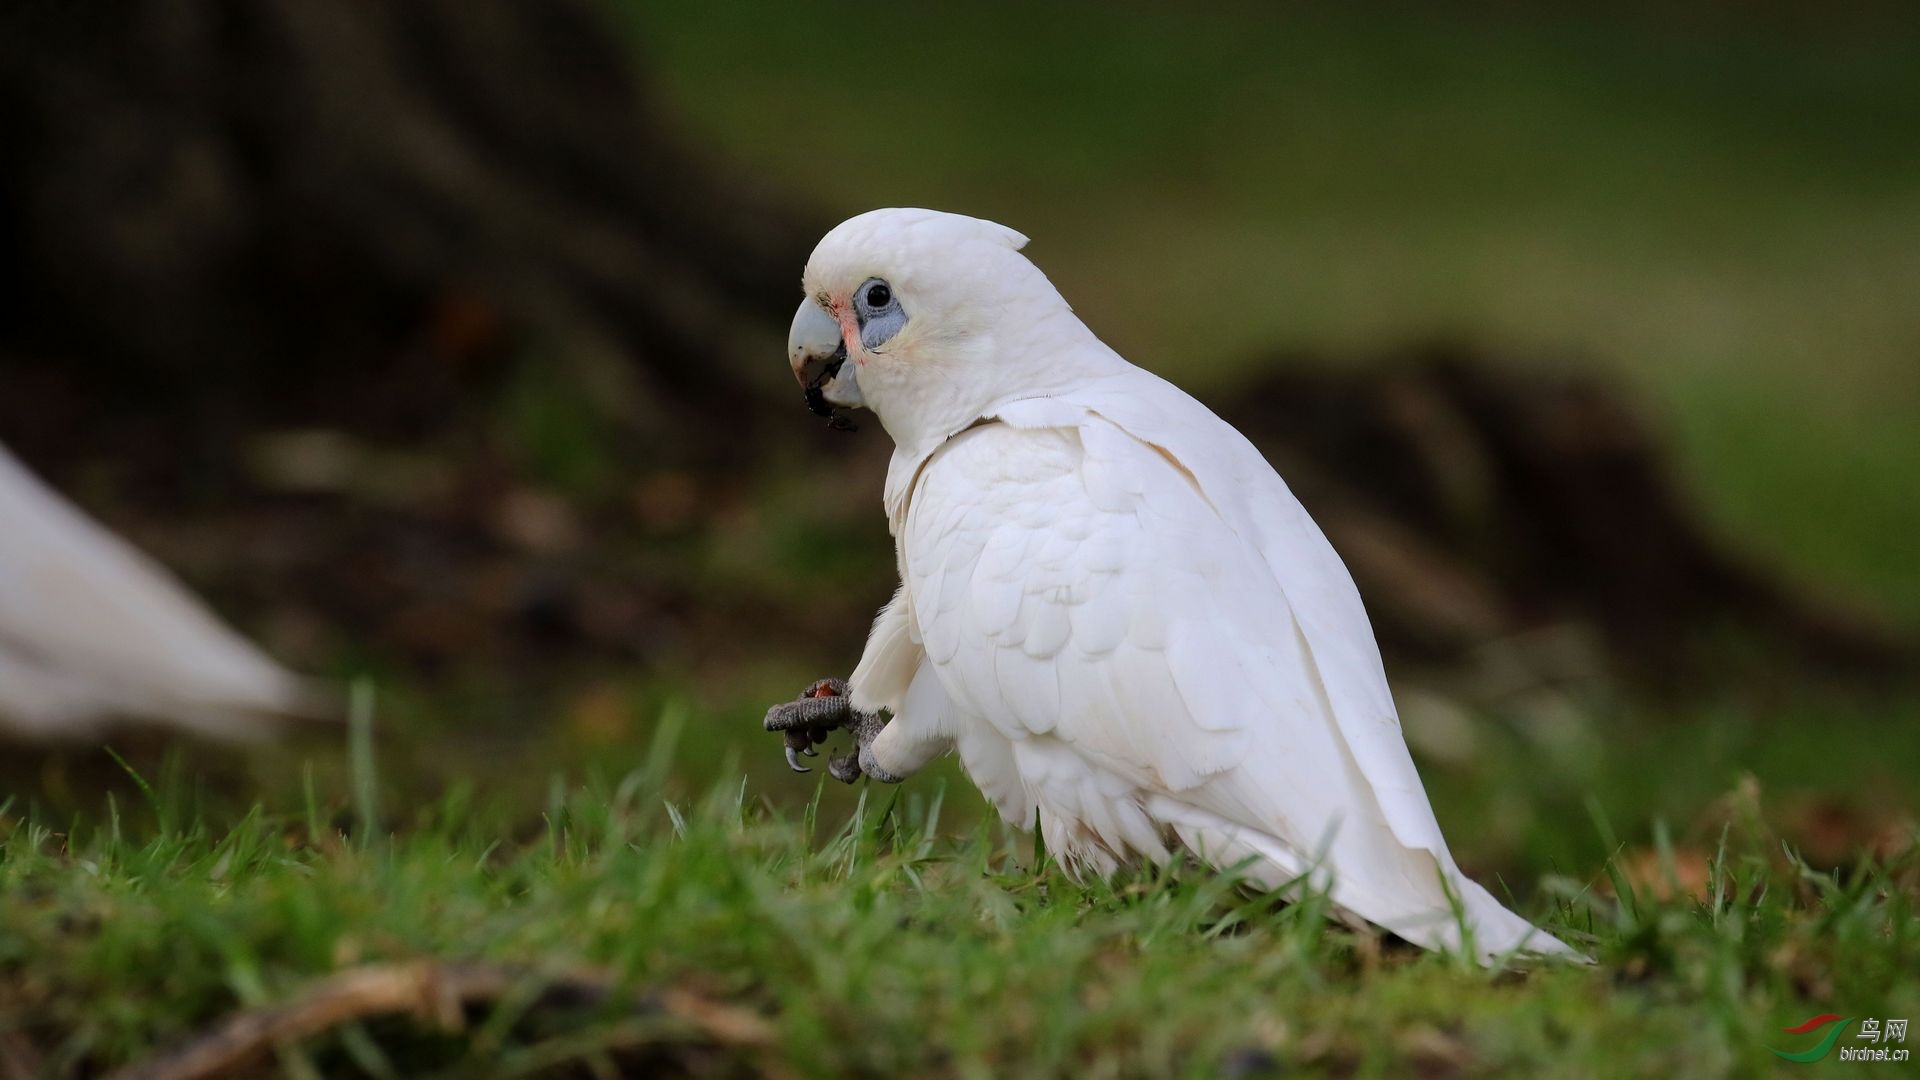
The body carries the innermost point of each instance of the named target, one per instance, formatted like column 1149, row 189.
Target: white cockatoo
column 1110, row 605
column 92, row 630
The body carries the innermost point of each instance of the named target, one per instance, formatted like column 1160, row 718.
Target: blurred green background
column 1720, row 206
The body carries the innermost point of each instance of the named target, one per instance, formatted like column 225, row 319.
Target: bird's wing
column 1042, row 597
column 90, row 629
column 1071, row 578
column 1250, row 498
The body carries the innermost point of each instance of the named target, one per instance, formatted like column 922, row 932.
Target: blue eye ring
column 878, row 310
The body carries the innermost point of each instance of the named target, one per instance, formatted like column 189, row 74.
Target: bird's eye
column 878, row 295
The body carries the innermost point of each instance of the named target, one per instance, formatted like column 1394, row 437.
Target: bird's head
column 926, row 318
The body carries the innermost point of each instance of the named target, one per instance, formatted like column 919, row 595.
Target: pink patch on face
column 849, row 330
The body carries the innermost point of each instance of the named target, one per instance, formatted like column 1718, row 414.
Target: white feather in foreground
column 1113, row 607
column 92, row 630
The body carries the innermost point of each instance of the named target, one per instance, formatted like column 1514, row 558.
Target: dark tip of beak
column 817, row 402
column 818, row 405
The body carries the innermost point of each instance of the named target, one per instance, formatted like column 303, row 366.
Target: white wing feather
column 91, row 629
column 1123, row 587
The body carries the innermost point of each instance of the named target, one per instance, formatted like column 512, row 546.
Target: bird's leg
column 819, row 710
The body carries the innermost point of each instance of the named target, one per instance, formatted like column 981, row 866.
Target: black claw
column 822, row 708
column 798, row 743
column 845, row 768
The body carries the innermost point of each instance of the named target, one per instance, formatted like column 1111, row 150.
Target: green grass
column 894, row 931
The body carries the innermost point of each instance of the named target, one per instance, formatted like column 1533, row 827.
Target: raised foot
column 808, row 719
column 822, row 708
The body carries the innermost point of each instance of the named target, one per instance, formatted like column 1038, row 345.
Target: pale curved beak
column 818, row 357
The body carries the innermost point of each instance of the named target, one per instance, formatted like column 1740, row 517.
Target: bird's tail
column 1457, row 915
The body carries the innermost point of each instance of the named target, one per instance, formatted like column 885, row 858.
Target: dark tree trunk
column 285, row 212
